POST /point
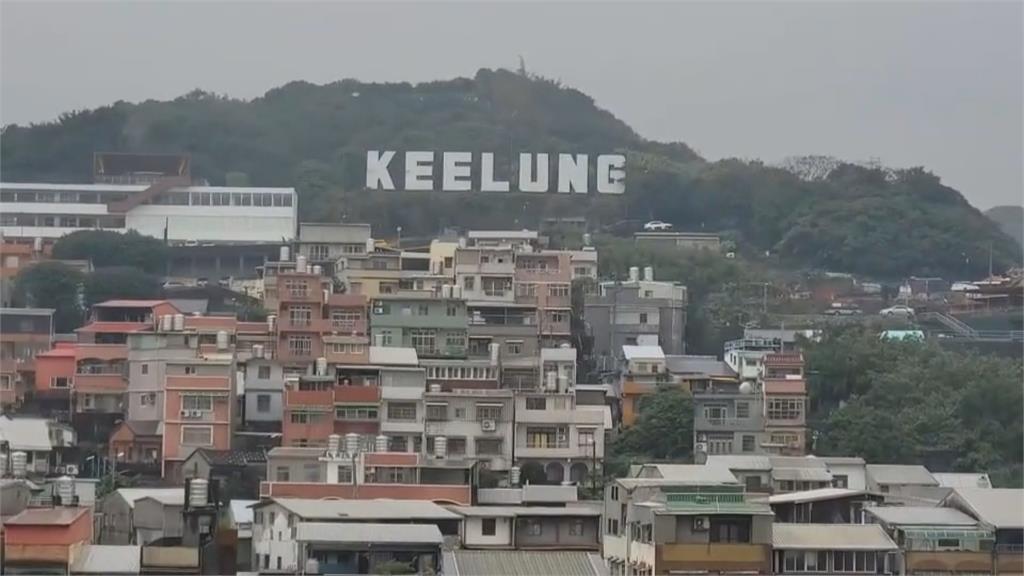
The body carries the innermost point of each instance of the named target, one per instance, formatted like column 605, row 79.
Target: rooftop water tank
column 179, row 322
column 351, row 443
column 333, row 443
column 321, row 366
column 65, row 488
column 381, row 443
column 198, row 495
column 441, row 447
column 649, row 273
column 514, row 475
column 634, row 273
column 166, row 323
column 19, row 464
column 222, row 340
column 300, row 264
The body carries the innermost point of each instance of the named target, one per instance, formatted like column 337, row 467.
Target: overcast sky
column 932, row 84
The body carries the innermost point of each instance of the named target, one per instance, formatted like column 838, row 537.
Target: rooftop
column 815, row 495
column 26, row 433
column 311, row 509
column 241, row 511
column 523, row 563
column 900, row 474
column 103, row 559
column 962, row 480
column 39, row 186
column 921, row 516
column 295, row 452
column 130, row 303
column 113, row 327
column 166, row 496
column 28, row 311
column 517, row 511
column 393, row 356
column 704, row 365
column 831, row 537
column 643, row 353
column 998, row 507
column 499, row 234
column 46, row 517
column 363, row 533
column 741, row 462
column 680, row 475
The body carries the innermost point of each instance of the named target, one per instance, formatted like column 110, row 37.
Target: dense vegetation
column 911, row 402
column 888, row 402
column 1010, row 219
column 850, row 218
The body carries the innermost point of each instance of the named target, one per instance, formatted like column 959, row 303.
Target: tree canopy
column 849, row 218
column 105, row 249
column 120, row 282
column 663, row 431
column 52, row 285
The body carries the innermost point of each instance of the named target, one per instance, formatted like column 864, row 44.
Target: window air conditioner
column 488, row 425
column 701, row 524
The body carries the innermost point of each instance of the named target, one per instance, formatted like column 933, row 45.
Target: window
column 716, row 413
column 536, row 403
column 197, row 435
column 356, row 412
column 534, row 528
column 576, row 528
column 386, row 338
column 457, row 446
column 488, row 412
column 5, row 381
column 423, row 310
column 488, row 446
column 190, row 370
column 423, row 340
column 752, row 483
column 726, row 529
column 452, row 310
column 283, row 474
column 319, row 252
column 59, row 382
column 263, row 372
column 345, row 318
column 743, row 409
column 304, row 417
column 193, row 402
column 311, row 472
column 263, row 403
column 469, row 282
column 615, row 494
column 559, row 316
column 88, row 401
column 785, row 409
column 489, row 526
column 643, row 317
column 401, row 410
column 145, row 369
column 514, row 347
column 300, row 315
column 719, row 444
column 748, row 443
column 296, row 288
column 558, row 290
column 437, row 412
column 585, row 437
column 840, row 480
column 456, row 340
column 300, row 345
column 547, row 437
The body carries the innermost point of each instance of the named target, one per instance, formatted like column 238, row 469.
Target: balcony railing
column 110, row 382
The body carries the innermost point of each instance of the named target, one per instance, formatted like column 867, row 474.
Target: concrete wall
column 114, row 525
column 275, row 411
column 555, row 532
column 472, row 533
column 153, row 520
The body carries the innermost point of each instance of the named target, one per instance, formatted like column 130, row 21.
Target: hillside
column 1010, row 220
column 860, row 219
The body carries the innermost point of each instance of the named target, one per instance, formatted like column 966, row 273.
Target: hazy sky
column 932, row 84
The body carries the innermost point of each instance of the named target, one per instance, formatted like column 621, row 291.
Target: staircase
column 954, row 325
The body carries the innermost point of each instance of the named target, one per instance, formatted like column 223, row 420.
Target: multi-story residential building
column 379, row 273
column 333, row 246
column 785, row 415
column 301, row 319
column 478, row 372
column 434, row 327
column 516, row 239
column 421, row 275
column 24, row 333
column 555, row 439
column 643, row 370
column 476, row 424
column 510, row 332
column 544, row 279
column 636, row 312
column 584, row 266
column 728, row 418
column 997, row 509
column 746, row 355
column 44, row 443
column 486, row 274
column 46, row 540
column 832, row 549
column 685, row 519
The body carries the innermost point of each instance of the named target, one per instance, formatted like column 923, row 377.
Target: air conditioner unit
column 185, row 413
column 488, row 425
column 701, row 524
column 71, row 470
column 197, row 413
column 700, row 447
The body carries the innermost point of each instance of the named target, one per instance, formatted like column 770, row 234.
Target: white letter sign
column 572, row 173
column 456, row 167
column 419, row 170
column 611, row 174
column 377, row 170
column 487, row 181
column 526, row 181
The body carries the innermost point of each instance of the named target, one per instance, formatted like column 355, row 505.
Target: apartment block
column 557, row 440
column 729, row 418
column 476, row 424
column 333, row 246
column 643, row 370
column 635, row 313
column 544, row 279
column 434, row 327
column 24, row 333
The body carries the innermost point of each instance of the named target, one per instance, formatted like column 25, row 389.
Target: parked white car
column 657, row 226
column 898, row 310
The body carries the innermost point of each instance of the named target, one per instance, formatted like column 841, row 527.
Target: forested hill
column 1010, row 219
column 851, row 218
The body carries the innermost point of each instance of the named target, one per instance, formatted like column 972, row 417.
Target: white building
column 186, row 214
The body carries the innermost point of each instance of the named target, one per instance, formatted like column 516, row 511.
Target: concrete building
column 477, row 424
column 635, row 313
column 693, row 519
column 643, row 370
column 556, row 440
column 24, row 333
column 729, row 418
column 681, row 240
column 121, row 521
column 997, row 509
column 168, row 209
column 333, row 246
column 530, row 527
column 434, row 327
column 832, row 549
column 46, row 540
column 516, row 239
column 936, row 540
column 543, row 279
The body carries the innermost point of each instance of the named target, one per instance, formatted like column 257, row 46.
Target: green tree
column 663, row 431
column 52, row 285
column 120, row 282
column 105, row 249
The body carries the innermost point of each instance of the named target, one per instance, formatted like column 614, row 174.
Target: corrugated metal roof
column 696, row 473
column 1001, row 508
column 45, row 517
column 241, row 511
column 104, row 559
column 393, row 356
column 814, row 495
column 128, row 303
column 921, row 516
column 514, row 511
column 831, row 537
column 741, row 462
column 295, row 452
column 522, row 563
column 499, row 234
column 804, row 474
column 643, row 352
column 361, row 533
column 311, row 509
column 166, row 496
column 962, row 480
column 841, row 460
column 900, row 474
column 703, row 365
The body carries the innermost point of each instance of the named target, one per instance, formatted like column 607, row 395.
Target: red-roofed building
column 786, row 415
column 24, row 332
column 782, row 365
column 46, row 540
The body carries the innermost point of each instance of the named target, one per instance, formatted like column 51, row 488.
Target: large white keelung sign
column 465, row 171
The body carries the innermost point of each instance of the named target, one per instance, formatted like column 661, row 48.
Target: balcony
column 100, row 383
column 797, row 422
column 728, row 424
column 311, row 295
column 353, row 327
column 295, row 398
column 312, row 325
column 948, row 561
column 356, row 394
column 755, row 558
